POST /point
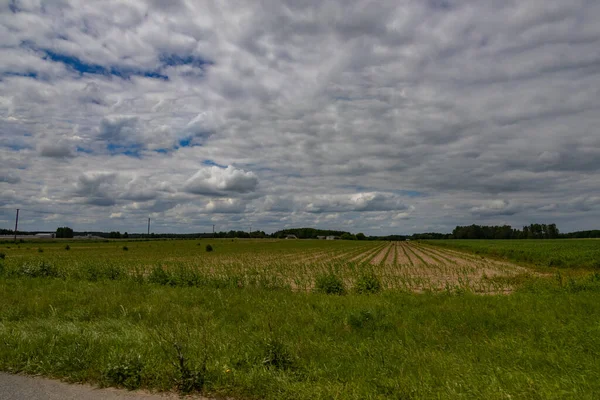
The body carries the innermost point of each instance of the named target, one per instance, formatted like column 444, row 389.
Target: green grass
column 156, row 317
column 569, row 253
column 538, row 343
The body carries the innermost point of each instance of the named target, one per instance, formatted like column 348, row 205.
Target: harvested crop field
column 296, row 265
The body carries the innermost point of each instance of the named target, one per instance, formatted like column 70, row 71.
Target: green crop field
column 292, row 319
column 571, row 253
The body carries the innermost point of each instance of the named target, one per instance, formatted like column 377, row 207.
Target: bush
column 160, row 276
column 40, row 250
column 329, row 284
column 125, row 248
column 367, row 284
column 41, row 270
column 67, row 247
column 2, row 256
column 209, row 248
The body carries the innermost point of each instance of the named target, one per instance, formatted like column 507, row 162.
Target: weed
column 276, row 354
column 67, row 247
column 188, row 379
column 125, row 248
column 209, row 248
column 160, row 276
column 2, row 256
column 39, row 270
column 40, row 250
column 367, row 284
column 126, row 372
column 329, row 284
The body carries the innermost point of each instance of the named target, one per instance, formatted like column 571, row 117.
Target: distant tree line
column 308, row 233
column 533, row 231
column 582, row 234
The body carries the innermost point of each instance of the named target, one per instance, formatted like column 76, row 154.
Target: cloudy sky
column 382, row 117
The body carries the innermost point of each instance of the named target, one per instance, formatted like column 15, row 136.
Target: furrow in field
column 363, row 255
column 390, row 260
column 381, row 256
column 402, row 257
column 428, row 259
column 414, row 259
column 466, row 259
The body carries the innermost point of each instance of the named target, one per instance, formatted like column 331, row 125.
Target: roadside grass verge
column 543, row 341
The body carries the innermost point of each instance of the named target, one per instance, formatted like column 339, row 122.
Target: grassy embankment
column 266, row 341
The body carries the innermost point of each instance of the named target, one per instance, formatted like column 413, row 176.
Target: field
column 279, row 319
column 569, row 253
column 295, row 265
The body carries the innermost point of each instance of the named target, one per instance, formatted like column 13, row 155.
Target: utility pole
column 213, row 230
column 16, row 224
column 148, row 226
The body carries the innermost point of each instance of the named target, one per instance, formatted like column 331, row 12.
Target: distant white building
column 331, row 238
column 291, row 237
column 45, row 235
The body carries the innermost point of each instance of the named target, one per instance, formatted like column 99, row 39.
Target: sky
column 377, row 117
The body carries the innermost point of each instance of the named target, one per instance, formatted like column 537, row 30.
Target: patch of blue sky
column 89, row 68
column 410, row 193
column 80, row 149
column 131, row 150
column 185, row 142
column 194, row 61
column 17, row 146
column 211, row 163
column 26, row 74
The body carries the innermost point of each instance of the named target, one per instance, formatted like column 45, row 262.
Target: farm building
column 45, row 235
column 291, row 237
column 331, row 238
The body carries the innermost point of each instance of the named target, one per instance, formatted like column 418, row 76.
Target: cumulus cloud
column 388, row 118
column 226, row 206
column 354, row 202
column 219, row 181
column 97, row 188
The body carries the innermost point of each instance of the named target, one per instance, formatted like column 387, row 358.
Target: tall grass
column 541, row 342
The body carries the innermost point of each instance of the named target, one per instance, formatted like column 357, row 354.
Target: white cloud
column 216, row 181
column 441, row 113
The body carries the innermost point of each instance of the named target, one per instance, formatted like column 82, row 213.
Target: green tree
column 64, row 232
column 361, row 236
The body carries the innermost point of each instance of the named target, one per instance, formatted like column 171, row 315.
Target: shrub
column 367, row 284
column 40, row 250
column 329, row 284
column 125, row 248
column 2, row 256
column 41, row 270
column 209, row 248
column 67, row 247
column 160, row 276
